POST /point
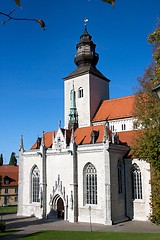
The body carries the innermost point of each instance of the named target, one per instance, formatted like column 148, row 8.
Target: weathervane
column 85, row 21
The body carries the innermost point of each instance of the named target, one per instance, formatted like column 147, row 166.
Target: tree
column 13, row 160
column 147, row 112
column 0, row 184
column 9, row 17
column 18, row 2
column 1, row 160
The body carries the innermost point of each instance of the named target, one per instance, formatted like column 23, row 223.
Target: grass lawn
column 8, row 209
column 73, row 235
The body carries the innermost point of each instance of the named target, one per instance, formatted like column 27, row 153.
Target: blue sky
column 34, row 62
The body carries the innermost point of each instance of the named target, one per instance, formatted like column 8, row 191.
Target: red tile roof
column 115, row 109
column 127, row 137
column 11, row 172
column 47, row 140
column 83, row 135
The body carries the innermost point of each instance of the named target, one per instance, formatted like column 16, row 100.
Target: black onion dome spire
column 86, row 51
column 86, row 58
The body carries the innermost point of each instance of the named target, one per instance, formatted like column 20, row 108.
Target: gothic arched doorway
column 60, row 209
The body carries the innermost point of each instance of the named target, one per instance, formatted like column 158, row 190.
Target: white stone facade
column 111, row 206
column 64, row 181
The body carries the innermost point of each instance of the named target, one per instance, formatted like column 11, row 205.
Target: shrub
column 2, row 226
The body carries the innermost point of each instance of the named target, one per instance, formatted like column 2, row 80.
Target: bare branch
column 9, row 17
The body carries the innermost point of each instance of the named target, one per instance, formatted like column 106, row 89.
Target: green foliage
column 147, row 113
column 1, row 160
column 2, row 226
column 155, row 197
column 13, row 160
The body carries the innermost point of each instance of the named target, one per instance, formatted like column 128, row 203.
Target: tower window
column 80, row 92
column 90, row 177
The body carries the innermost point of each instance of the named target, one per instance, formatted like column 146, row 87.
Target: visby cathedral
column 86, row 168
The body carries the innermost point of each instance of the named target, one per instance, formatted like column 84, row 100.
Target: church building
column 85, row 170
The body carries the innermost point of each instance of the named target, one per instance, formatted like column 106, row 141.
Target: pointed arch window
column 137, row 182
column 80, row 92
column 90, row 176
column 35, row 178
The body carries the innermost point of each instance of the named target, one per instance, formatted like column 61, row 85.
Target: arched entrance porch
column 58, row 209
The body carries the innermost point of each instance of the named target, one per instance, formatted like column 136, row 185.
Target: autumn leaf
column 41, row 23
column 109, row 1
column 18, row 2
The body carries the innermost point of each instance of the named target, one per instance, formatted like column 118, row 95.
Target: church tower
column 90, row 85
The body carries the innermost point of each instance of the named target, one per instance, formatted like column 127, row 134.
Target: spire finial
column 43, row 141
column 59, row 123
column 21, row 144
column 85, row 23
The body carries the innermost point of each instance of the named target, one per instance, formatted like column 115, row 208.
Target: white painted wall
column 141, row 207
column 94, row 89
column 82, row 104
column 90, row 154
column 118, row 124
column 111, row 206
column 59, row 164
column 30, row 159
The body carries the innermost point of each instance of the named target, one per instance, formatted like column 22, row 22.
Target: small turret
column 21, row 147
column 73, row 115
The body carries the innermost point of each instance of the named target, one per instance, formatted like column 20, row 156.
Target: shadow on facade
column 57, row 210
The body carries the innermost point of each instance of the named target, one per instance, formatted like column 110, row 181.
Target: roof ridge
column 116, row 99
